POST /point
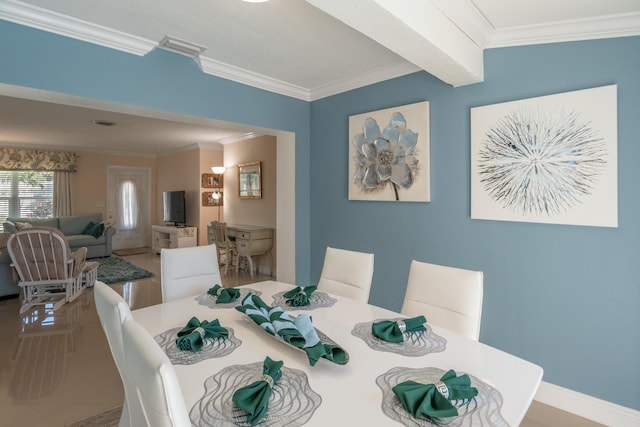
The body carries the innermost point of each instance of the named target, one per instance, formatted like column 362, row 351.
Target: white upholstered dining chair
column 448, row 297
column 154, row 379
column 112, row 312
column 188, row 271
column 347, row 273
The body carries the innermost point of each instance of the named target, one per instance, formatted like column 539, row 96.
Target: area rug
column 134, row 251
column 114, row 269
column 109, row 418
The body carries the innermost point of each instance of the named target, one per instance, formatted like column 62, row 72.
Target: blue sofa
column 72, row 227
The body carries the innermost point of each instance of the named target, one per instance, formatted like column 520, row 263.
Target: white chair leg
column 250, row 259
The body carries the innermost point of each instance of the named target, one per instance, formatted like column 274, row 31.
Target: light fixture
column 104, row 123
column 218, row 170
column 256, row 1
column 182, row 47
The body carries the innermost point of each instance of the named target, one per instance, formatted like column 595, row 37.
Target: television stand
column 171, row 236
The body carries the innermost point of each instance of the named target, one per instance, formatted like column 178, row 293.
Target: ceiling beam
column 416, row 30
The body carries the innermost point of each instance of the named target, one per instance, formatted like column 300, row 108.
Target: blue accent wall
column 160, row 80
column 564, row 297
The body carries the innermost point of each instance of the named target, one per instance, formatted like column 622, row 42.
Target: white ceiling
column 303, row 49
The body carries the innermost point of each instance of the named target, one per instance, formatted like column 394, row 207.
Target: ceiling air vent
column 182, row 47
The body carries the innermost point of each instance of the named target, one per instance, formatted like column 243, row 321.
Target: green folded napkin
column 434, row 400
column 224, row 295
column 335, row 353
column 299, row 296
column 393, row 331
column 298, row 331
column 192, row 336
column 254, row 398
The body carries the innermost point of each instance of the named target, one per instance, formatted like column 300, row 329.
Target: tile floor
column 56, row 368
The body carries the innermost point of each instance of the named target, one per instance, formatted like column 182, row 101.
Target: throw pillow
column 23, row 225
column 94, row 230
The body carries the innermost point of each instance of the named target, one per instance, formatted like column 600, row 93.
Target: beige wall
column 90, row 181
column 209, row 158
column 261, row 212
column 183, row 171
column 180, row 171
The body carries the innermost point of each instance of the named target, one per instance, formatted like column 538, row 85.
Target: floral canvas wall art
column 550, row 159
column 389, row 154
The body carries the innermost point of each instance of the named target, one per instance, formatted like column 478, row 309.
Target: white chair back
column 45, row 266
column 112, row 311
column 448, row 297
column 188, row 271
column 157, row 389
column 347, row 273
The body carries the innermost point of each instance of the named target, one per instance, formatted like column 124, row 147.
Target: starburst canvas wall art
column 551, row 159
column 389, row 154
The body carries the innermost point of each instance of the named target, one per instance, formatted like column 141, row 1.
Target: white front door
column 128, row 205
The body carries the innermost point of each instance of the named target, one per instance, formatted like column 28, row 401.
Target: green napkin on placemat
column 254, row 398
column 192, row 336
column 299, row 296
column 393, row 331
column 434, row 400
column 225, row 295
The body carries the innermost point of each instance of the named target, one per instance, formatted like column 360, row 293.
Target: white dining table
column 349, row 393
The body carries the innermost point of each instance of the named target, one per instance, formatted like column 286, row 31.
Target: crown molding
column 398, row 69
column 621, row 25
column 238, row 138
column 260, row 81
column 464, row 15
column 468, row 19
column 53, row 22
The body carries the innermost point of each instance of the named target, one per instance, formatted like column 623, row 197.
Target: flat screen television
column 173, row 204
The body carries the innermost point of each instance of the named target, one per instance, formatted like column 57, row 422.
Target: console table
column 166, row 236
column 251, row 240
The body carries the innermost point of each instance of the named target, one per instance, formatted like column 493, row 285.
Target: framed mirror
column 250, row 180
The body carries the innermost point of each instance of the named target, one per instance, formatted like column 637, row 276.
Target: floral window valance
column 13, row 159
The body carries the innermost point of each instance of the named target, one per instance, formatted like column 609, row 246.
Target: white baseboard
column 586, row 406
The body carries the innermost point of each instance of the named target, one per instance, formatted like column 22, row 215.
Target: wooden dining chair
column 188, row 271
column 226, row 248
column 448, row 297
column 112, row 311
column 347, row 273
column 157, row 390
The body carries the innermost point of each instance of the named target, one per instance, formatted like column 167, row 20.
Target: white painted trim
column 375, row 76
column 240, row 75
column 467, row 19
column 53, row 22
column 622, row 25
column 586, row 406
